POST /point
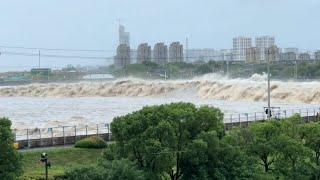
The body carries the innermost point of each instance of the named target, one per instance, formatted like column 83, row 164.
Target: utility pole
column 295, row 70
column 39, row 55
column 227, row 67
column 187, row 46
column 268, row 69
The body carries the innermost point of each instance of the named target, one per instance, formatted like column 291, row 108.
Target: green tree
column 109, row 170
column 312, row 140
column 292, row 159
column 263, row 142
column 10, row 166
column 208, row 157
column 156, row 137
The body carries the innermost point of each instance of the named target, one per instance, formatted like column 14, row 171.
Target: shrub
column 91, row 142
column 110, row 170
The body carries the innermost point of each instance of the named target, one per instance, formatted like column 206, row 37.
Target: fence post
column 314, row 115
column 240, row 120
column 231, row 118
column 247, row 119
column 52, row 136
column 40, row 137
column 97, row 130
column 64, row 139
column 75, row 134
column 28, row 138
column 307, row 115
column 255, row 117
column 285, row 114
column 108, row 132
column 86, row 130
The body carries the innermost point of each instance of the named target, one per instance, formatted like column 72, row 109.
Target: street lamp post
column 268, row 69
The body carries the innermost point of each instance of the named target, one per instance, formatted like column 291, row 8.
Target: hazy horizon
column 94, row 24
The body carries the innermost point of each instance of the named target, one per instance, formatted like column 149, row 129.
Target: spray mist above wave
column 210, row 86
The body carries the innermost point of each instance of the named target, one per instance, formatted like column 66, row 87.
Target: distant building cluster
column 244, row 50
column 122, row 59
column 160, row 54
column 143, row 53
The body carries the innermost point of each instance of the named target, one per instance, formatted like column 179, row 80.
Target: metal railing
column 104, row 128
column 277, row 114
column 61, row 131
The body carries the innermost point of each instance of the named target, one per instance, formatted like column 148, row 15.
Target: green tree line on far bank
column 183, row 70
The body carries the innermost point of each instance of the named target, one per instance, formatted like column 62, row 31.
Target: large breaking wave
column 210, row 86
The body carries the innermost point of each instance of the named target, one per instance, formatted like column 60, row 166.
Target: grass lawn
column 60, row 158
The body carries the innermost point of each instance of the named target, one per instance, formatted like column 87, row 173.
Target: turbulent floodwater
column 50, row 105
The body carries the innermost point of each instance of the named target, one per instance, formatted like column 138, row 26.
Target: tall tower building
column 240, row 45
column 263, row 43
column 124, row 37
column 122, row 59
column 160, row 53
column 176, row 52
column 144, row 53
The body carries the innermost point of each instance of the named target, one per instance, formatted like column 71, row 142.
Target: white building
column 262, row 43
column 205, row 54
column 240, row 45
column 124, row 37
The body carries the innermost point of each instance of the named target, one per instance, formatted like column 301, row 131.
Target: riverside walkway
column 68, row 135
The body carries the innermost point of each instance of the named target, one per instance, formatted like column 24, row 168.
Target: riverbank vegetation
column 180, row 141
column 279, row 70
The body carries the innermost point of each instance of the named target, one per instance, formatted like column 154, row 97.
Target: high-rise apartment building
column 144, row 53
column 304, row 57
column 263, row 43
column 124, row 37
column 288, row 56
column 160, row 53
column 240, row 45
column 253, row 55
column 122, row 59
column 273, row 53
column 176, row 52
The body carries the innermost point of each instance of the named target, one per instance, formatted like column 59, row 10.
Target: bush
column 91, row 142
column 109, row 170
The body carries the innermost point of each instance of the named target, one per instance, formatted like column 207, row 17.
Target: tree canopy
column 10, row 167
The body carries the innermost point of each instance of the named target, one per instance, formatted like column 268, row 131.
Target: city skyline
column 94, row 25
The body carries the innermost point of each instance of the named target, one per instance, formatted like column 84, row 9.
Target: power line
column 55, row 49
column 224, row 57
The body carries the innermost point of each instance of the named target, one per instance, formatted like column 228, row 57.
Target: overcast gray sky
column 93, row 24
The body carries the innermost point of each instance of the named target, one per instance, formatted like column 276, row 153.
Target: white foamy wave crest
column 210, row 86
column 259, row 77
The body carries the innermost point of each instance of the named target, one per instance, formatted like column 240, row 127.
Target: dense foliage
column 108, row 170
column 181, row 141
column 10, row 166
column 91, row 142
